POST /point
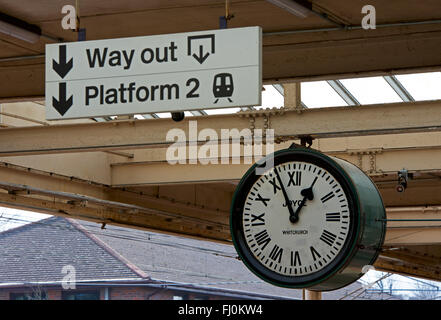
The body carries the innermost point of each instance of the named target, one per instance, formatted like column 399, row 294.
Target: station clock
column 311, row 221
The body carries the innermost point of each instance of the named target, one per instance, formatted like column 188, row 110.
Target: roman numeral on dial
column 295, row 178
column 314, row 253
column 295, row 259
column 262, row 238
column 328, row 237
column 275, row 186
column 257, row 218
column 328, row 196
column 333, row 216
column 264, row 200
column 276, row 253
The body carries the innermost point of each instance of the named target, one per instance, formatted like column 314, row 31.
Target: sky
column 13, row 218
column 318, row 94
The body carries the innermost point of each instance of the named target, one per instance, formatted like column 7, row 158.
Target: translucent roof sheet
column 422, row 86
column 371, row 90
column 271, row 98
column 164, row 115
column 319, row 94
column 222, row 111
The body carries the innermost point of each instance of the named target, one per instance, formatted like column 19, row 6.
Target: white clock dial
column 317, row 236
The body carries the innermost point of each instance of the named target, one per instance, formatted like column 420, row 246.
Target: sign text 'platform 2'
column 164, row 73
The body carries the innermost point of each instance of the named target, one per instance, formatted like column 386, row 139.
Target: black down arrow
column 201, row 58
column 63, row 67
column 62, row 105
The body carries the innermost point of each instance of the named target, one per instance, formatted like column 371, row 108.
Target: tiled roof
column 37, row 252
column 202, row 263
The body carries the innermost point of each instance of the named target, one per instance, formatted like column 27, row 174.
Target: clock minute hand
column 285, row 195
column 307, row 195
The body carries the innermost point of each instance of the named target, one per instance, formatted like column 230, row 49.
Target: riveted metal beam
column 287, row 124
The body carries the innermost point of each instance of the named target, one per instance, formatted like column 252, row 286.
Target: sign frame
column 162, row 73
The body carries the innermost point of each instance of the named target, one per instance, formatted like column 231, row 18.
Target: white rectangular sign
column 164, row 73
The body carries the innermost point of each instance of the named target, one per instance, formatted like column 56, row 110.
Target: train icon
column 223, row 86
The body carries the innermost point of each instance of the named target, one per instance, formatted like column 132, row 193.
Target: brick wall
column 125, row 293
column 54, row 294
column 103, row 294
column 128, row 293
column 4, row 295
column 160, row 294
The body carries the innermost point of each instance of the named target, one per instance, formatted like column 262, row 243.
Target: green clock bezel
column 327, row 277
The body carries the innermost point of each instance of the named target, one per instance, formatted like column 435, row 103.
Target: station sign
column 163, row 73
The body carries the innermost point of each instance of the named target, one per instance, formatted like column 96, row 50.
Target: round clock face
column 312, row 241
column 294, row 224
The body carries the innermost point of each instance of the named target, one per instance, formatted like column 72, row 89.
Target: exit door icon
column 223, row 86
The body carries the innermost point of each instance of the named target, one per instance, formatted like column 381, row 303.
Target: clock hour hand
column 307, row 195
column 285, row 195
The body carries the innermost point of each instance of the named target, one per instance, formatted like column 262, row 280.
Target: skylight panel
column 371, row 90
column 222, row 111
column 422, row 86
column 271, row 98
column 319, row 94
